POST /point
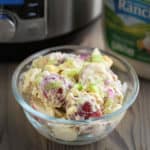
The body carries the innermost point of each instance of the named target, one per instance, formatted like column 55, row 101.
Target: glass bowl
column 73, row 132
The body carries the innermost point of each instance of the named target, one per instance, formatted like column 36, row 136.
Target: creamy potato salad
column 74, row 87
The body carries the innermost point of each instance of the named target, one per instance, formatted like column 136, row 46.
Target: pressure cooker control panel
column 23, row 20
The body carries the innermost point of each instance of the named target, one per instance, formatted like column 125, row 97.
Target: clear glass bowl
column 70, row 131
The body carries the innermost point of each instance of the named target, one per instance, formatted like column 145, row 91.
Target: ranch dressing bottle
column 127, row 25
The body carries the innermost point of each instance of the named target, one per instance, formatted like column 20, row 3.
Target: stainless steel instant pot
column 34, row 20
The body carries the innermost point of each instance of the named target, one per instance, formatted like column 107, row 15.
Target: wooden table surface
column 133, row 133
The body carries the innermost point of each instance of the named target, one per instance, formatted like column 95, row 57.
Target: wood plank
column 3, row 106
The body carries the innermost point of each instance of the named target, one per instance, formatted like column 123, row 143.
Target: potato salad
column 73, row 87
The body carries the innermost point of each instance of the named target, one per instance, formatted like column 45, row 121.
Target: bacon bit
column 60, row 91
column 96, row 114
column 87, row 107
column 86, row 111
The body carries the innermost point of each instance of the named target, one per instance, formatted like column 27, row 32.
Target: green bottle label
column 128, row 28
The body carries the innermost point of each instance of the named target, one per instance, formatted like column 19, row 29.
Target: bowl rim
column 26, row 107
